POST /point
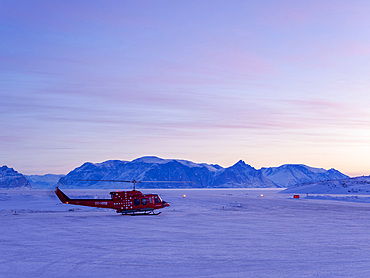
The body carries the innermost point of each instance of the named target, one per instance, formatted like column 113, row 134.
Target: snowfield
column 209, row 233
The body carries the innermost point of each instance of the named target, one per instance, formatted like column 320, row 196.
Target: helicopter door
column 136, row 202
column 156, row 200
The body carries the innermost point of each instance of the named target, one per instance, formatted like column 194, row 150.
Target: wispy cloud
column 132, row 78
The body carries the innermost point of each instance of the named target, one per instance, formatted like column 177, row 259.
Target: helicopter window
column 156, row 199
column 136, row 202
column 144, row 201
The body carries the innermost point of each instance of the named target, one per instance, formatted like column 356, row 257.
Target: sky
column 268, row 82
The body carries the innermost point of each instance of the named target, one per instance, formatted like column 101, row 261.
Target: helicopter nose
column 165, row 204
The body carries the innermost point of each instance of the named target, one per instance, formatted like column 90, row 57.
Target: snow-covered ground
column 357, row 185
column 210, row 233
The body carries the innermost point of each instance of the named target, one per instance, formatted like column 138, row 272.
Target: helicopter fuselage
column 125, row 202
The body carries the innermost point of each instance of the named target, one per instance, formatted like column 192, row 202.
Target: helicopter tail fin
column 62, row 197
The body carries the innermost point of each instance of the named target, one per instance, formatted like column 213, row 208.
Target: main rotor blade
column 134, row 181
column 172, row 181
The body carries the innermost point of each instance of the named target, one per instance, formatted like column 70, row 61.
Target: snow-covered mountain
column 290, row 174
column 43, row 181
column 241, row 175
column 203, row 175
column 358, row 185
column 142, row 169
column 9, row 179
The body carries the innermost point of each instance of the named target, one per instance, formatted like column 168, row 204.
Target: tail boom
column 101, row 203
column 62, row 197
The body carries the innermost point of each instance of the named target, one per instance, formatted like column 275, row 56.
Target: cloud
column 151, row 76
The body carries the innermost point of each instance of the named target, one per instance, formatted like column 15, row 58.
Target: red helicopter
column 126, row 202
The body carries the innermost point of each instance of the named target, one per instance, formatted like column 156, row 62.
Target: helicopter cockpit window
column 144, row 201
column 156, row 199
column 137, row 202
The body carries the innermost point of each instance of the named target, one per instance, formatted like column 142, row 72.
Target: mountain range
column 289, row 175
column 187, row 173
column 11, row 179
column 240, row 175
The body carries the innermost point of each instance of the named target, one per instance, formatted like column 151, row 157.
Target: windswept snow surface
column 210, row 233
column 357, row 185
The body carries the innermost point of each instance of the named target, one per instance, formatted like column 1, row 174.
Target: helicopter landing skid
column 141, row 213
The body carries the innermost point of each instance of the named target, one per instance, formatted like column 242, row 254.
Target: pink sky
column 269, row 82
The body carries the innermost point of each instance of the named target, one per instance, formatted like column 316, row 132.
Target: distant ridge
column 43, row 181
column 357, row 185
column 151, row 168
column 11, row 179
column 291, row 174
